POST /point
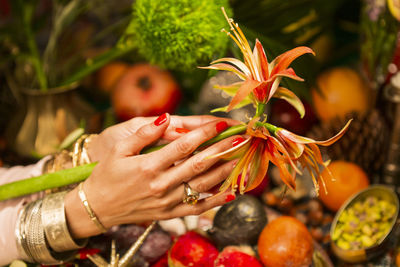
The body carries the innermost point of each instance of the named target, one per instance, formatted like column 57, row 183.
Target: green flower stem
column 46, row 181
column 237, row 129
column 96, row 63
column 80, row 173
column 271, row 128
column 260, row 109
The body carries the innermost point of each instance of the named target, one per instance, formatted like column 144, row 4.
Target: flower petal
column 236, row 150
column 284, row 60
column 227, row 67
column 236, row 62
column 291, row 98
column 274, row 87
column 260, row 170
column 262, row 59
column 336, row 137
column 245, row 102
column 289, row 73
column 229, row 89
column 244, row 90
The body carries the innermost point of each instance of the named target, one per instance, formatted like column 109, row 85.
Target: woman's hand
column 127, row 187
column 102, row 145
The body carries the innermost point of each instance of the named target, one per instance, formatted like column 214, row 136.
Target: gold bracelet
column 77, row 151
column 80, row 154
column 55, row 224
column 89, row 210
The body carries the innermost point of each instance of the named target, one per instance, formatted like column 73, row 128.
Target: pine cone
column 364, row 143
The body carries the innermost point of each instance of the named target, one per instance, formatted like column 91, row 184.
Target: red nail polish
column 230, row 197
column 181, row 130
column 222, row 125
column 237, row 141
column 160, row 120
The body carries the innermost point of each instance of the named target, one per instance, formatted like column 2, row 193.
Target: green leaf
column 71, row 138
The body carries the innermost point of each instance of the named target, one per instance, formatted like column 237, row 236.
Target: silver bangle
column 55, row 225
column 32, row 237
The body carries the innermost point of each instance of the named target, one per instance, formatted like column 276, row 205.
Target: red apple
column 286, row 116
column 192, row 249
column 238, row 256
column 145, row 90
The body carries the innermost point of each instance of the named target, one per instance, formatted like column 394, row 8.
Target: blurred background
column 83, row 65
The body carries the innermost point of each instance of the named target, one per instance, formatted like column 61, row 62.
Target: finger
column 202, row 183
column 194, row 122
column 185, row 145
column 201, row 206
column 144, row 136
column 198, row 163
column 181, row 125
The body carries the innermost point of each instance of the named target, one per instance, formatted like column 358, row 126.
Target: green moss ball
column 179, row 34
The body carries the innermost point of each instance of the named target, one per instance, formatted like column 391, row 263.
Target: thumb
column 144, row 136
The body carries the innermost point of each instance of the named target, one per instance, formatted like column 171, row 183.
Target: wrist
column 79, row 223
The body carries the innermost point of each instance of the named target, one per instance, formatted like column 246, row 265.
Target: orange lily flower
column 268, row 143
column 305, row 151
column 260, row 79
column 254, row 155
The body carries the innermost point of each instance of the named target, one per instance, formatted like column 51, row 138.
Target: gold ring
column 190, row 196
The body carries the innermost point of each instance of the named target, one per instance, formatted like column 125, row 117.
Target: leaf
column 291, row 98
column 71, row 138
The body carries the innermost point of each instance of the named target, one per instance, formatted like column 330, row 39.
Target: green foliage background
column 178, row 35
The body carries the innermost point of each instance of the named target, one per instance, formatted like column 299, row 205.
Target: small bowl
column 362, row 255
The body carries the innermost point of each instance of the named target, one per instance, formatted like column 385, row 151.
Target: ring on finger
column 190, row 196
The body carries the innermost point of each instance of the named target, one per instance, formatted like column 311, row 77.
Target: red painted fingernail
column 181, row 130
column 237, row 141
column 222, row 125
column 160, row 120
column 230, row 197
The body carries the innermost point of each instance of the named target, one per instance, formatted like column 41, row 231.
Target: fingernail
column 222, row 125
column 237, row 141
column 181, row 130
column 160, row 120
column 230, row 197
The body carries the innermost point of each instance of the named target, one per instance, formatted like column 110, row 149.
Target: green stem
column 260, row 109
column 46, row 181
column 80, row 173
column 237, row 129
column 96, row 63
column 270, row 127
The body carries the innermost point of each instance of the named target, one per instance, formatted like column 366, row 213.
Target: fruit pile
column 240, row 236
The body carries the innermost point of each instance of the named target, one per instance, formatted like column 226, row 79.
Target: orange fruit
column 349, row 179
column 109, row 75
column 285, row 242
column 341, row 91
